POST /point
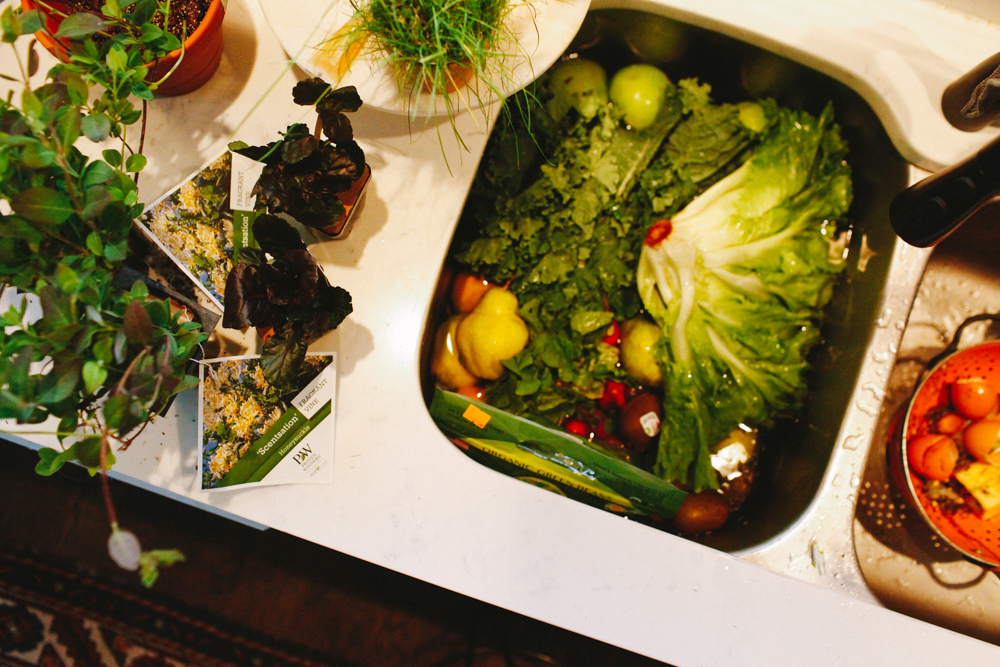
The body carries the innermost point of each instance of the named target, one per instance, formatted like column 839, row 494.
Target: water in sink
column 796, row 452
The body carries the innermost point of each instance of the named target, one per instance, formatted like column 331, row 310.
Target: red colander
column 977, row 539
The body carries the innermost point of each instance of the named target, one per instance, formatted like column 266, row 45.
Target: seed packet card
column 203, row 222
column 253, row 434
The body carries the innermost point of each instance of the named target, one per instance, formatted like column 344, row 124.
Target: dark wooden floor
column 271, row 582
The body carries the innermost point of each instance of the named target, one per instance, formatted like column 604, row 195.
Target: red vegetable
column 932, row 456
column 658, row 232
column 614, row 334
column 577, row 427
column 950, row 423
column 702, row 512
column 614, row 395
column 974, row 398
column 982, row 440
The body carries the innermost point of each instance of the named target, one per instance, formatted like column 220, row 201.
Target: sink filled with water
column 801, row 458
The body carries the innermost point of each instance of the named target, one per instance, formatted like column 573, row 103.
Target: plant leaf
column 32, row 58
column 9, row 26
column 68, row 126
column 42, row 205
column 275, row 235
column 94, row 374
column 51, row 460
column 96, row 126
column 282, row 355
column 137, row 325
column 112, row 157
column 30, row 22
column 37, row 156
column 135, row 163
column 59, row 383
column 80, row 25
column 143, row 12
column 308, row 92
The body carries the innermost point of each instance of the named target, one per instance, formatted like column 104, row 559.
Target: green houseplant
column 100, row 361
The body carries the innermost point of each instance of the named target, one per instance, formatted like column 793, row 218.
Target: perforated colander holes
column 883, row 506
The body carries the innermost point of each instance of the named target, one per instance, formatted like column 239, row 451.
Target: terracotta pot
column 202, row 51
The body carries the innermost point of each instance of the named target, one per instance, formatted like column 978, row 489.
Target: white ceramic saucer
column 543, row 28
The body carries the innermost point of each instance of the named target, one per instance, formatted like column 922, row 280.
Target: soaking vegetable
column 490, row 334
column 670, row 258
column 737, row 281
column 639, row 90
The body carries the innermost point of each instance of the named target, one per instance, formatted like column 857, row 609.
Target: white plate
column 543, row 28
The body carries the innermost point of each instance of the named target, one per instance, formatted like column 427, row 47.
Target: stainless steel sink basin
column 799, row 517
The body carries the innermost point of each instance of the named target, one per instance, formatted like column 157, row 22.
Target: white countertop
column 404, row 498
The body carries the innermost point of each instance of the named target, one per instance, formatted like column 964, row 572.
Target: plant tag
column 245, row 173
column 253, row 435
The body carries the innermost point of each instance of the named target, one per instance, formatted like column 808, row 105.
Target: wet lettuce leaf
column 737, row 280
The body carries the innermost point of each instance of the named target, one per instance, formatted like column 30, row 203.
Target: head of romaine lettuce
column 737, row 280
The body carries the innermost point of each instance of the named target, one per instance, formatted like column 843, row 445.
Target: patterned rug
column 51, row 617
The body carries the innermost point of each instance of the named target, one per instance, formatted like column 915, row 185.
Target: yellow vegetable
column 445, row 365
column 982, row 480
column 491, row 333
column 636, row 355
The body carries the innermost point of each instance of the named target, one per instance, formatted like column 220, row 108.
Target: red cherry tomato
column 614, row 395
column 614, row 334
column 982, row 440
column 701, row 512
column 577, row 427
column 950, row 424
column 932, row 456
column 974, row 398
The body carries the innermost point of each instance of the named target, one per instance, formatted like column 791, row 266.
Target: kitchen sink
column 798, row 517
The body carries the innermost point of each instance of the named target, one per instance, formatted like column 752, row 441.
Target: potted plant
column 99, row 361
column 279, row 287
column 434, row 49
column 183, row 62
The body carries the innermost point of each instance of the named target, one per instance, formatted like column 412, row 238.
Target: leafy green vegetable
column 737, row 281
column 567, row 230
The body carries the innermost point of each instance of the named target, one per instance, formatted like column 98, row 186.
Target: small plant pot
column 202, row 50
column 353, row 201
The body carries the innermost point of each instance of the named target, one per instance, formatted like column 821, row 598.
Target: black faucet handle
column 925, row 213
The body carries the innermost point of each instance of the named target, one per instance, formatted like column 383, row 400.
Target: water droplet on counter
column 881, row 357
column 852, row 442
column 837, row 480
column 863, row 406
column 876, row 391
column 855, row 481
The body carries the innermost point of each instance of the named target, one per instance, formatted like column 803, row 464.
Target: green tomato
column 639, row 91
column 578, row 83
